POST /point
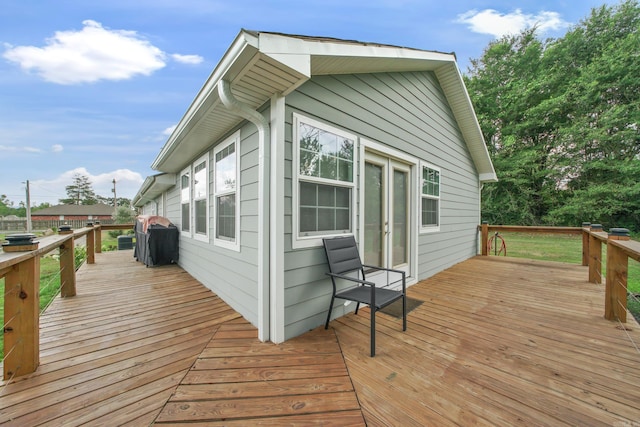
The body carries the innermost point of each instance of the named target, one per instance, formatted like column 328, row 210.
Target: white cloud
column 127, row 184
column 57, row 148
column 498, row 24
column 168, row 131
column 188, row 59
column 92, row 54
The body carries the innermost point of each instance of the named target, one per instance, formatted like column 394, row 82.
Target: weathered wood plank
column 220, row 410
column 325, row 384
column 326, row 419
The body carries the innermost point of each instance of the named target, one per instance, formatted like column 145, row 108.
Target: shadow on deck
column 495, row 342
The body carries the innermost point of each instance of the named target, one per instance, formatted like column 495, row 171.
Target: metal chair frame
column 344, row 259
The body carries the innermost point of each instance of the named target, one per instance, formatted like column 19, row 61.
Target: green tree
column 122, row 215
column 80, row 192
column 506, row 85
column 561, row 119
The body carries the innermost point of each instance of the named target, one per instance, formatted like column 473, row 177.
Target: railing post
column 585, row 243
column 22, row 318
column 485, row 237
column 67, row 269
column 91, row 245
column 615, row 299
column 98, row 238
column 595, row 255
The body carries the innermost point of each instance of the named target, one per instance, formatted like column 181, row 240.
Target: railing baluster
column 595, row 255
column 67, row 269
column 615, row 301
column 22, row 335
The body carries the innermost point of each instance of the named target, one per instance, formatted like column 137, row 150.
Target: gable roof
column 97, row 209
column 261, row 64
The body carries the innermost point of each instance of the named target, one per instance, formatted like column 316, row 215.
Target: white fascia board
column 289, row 51
column 281, row 44
column 241, row 45
column 321, row 48
column 488, row 177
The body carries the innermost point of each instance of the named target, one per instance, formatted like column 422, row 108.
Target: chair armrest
column 352, row 279
column 384, row 269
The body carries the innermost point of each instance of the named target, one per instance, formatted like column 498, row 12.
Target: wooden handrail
column 21, row 271
column 533, row 229
column 619, row 250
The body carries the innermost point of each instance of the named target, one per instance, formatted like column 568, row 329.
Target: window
column 185, row 200
column 227, row 168
column 201, row 198
column 323, row 197
column 194, row 199
column 430, row 198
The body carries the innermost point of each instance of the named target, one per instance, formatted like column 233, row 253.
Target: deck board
column 500, row 342
column 117, row 349
column 496, row 342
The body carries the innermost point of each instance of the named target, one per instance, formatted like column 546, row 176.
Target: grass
column 566, row 248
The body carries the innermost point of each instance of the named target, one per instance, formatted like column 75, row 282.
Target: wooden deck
column 495, row 342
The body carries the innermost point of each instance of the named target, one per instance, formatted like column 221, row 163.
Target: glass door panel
column 400, row 209
column 373, row 215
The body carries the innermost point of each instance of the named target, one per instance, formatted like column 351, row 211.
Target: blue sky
column 94, row 87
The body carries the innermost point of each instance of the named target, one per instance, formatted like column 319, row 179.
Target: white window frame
column 186, row 171
column 429, row 228
column 299, row 242
column 200, row 236
column 224, row 243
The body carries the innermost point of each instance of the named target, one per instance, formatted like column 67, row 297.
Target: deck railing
column 21, row 272
column 619, row 249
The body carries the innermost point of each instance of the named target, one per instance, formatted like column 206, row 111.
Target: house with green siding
column 293, row 139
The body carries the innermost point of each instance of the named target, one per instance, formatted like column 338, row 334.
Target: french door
column 386, row 213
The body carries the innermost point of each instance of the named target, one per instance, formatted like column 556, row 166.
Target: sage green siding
column 230, row 274
column 409, row 112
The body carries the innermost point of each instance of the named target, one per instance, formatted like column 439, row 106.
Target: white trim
column 298, row 242
column 277, row 230
column 430, row 228
column 228, row 244
column 198, row 236
column 187, row 171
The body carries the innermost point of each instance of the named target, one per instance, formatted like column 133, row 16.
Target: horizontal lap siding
column 231, row 275
column 409, row 112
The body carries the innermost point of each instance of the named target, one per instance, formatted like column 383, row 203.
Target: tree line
column 561, row 121
column 79, row 192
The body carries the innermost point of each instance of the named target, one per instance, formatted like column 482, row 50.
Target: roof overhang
column 152, row 187
column 259, row 65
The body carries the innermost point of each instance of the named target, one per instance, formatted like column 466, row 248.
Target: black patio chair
column 344, row 260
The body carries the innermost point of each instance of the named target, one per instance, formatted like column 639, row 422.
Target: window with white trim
column 226, row 193
column 185, row 200
column 324, row 185
column 430, row 194
column 201, row 198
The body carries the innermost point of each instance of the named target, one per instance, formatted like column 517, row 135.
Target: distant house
column 97, row 212
column 292, row 139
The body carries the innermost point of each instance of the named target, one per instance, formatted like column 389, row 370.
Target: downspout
column 246, row 112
